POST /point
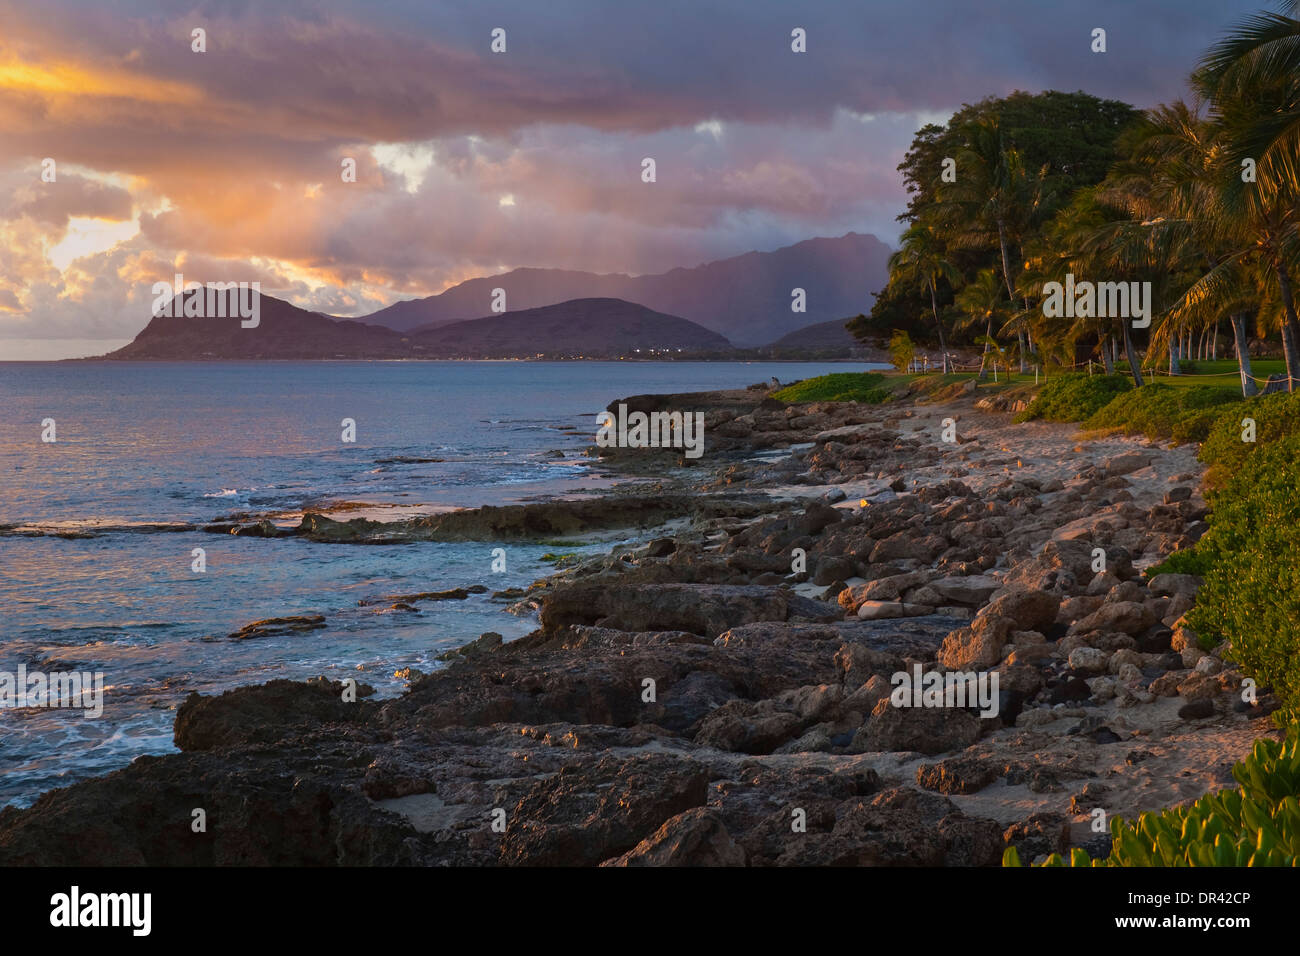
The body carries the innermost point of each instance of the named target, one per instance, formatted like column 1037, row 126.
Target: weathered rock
column 483, row 644
column 972, row 590
column 582, row 816
column 1197, row 709
column 928, row 730
column 1041, row 834
column 882, row 589
column 956, row 775
column 705, row 609
column 978, row 646
column 882, row 610
column 278, row 626
column 695, row 837
column 1128, row 617
column 1088, row 660
column 1126, row 464
column 1028, row 609
column 1174, row 584
column 263, row 713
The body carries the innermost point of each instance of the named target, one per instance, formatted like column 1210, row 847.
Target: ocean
column 139, row 445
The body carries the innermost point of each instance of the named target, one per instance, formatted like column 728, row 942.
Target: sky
column 227, row 164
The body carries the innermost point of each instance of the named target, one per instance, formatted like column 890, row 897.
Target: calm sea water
column 193, row 442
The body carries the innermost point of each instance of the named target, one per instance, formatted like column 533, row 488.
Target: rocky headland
column 720, row 694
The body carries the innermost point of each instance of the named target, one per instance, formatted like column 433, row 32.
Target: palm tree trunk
column 1132, row 359
column 1105, row 356
column 1290, row 327
column 1006, row 275
column 1020, row 340
column 988, row 334
column 1248, row 386
column 943, row 345
column 1006, row 260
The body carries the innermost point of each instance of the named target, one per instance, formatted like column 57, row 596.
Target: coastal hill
column 284, row 331
column 820, row 335
column 579, row 327
column 747, row 298
column 587, row 327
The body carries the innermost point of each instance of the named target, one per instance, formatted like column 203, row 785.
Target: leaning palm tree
column 922, row 261
column 1095, row 235
column 1258, row 223
column 980, row 301
column 1252, row 78
column 1230, row 287
column 1262, row 52
column 1175, row 186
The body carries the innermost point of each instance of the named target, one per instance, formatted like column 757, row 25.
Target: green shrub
column 864, row 387
column 1257, row 824
column 901, row 350
column 1195, row 560
column 1074, row 397
column 1251, row 593
column 1164, row 411
column 1276, row 416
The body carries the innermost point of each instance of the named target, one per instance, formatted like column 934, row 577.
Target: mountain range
column 582, row 328
column 743, row 301
column 747, row 298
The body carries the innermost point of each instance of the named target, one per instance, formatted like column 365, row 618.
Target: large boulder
column 977, row 647
column 889, row 588
column 1028, row 609
column 696, row 837
column 1127, row 617
column 585, row 815
column 263, row 713
column 1170, row 585
column 928, row 730
column 970, row 590
column 1126, row 463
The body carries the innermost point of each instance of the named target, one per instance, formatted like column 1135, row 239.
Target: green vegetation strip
column 869, row 388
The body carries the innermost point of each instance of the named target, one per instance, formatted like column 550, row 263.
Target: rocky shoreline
column 721, row 694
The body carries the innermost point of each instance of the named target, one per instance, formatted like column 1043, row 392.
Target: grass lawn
column 876, row 387
column 1221, row 373
column 867, row 387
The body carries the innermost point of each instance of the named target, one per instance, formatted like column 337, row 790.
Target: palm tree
column 1262, row 52
column 1095, row 235
column 1258, row 228
column 922, row 261
column 981, row 301
column 1253, row 80
column 995, row 200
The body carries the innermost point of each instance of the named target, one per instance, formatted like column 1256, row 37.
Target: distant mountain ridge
column 820, row 335
column 581, row 326
column 284, row 331
column 746, row 298
column 589, row 328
